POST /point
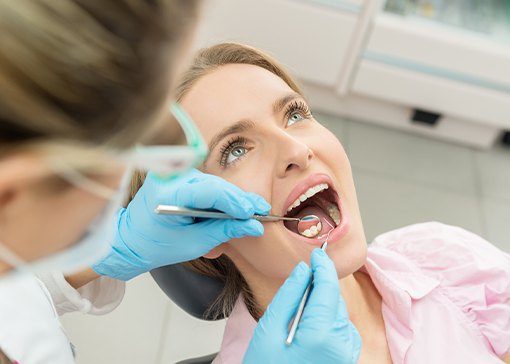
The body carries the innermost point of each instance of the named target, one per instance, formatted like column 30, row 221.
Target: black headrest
column 208, row 359
column 190, row 290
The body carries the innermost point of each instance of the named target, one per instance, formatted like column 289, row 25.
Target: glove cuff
column 114, row 265
column 120, row 263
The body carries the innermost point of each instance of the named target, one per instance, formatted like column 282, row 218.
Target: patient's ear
column 216, row 252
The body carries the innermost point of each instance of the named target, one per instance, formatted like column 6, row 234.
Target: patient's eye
column 296, row 112
column 233, row 150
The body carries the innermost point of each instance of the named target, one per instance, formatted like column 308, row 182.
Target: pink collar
column 399, row 282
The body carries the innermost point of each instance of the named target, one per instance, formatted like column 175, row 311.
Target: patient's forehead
column 231, row 93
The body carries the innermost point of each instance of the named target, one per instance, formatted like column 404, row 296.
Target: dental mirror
column 309, row 226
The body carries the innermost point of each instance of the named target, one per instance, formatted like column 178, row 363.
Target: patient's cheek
column 252, row 178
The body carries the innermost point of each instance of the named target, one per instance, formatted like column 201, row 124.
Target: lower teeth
column 313, row 231
column 309, row 226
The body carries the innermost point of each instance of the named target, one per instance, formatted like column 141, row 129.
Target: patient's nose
column 293, row 155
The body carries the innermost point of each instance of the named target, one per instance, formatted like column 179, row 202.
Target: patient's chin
column 349, row 259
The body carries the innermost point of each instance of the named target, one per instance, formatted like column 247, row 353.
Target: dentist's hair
column 206, row 61
column 87, row 71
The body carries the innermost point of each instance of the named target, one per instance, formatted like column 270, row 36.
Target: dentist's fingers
column 324, row 334
column 262, row 207
column 217, row 231
column 285, row 303
column 347, row 332
column 323, row 303
column 211, row 192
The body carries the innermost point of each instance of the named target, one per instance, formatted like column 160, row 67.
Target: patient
column 426, row 293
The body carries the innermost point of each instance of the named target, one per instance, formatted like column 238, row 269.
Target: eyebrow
column 279, row 104
column 244, row 125
column 238, row 127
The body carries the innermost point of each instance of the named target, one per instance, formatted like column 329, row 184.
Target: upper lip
column 303, row 186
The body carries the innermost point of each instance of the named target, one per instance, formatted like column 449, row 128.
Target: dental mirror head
column 309, row 226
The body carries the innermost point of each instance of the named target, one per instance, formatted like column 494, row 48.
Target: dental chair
column 191, row 291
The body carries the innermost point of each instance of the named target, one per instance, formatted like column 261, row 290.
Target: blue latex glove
column 146, row 240
column 325, row 334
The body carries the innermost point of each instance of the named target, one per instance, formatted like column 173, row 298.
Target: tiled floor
column 400, row 178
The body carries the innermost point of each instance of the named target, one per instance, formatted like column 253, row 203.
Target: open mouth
column 320, row 200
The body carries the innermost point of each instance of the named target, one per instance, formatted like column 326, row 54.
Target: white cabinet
column 352, row 6
column 310, row 37
column 453, row 72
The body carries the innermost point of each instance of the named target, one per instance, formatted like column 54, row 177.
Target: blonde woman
column 426, row 293
column 82, row 82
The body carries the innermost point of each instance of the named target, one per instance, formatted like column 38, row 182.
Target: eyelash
column 238, row 141
column 299, row 106
column 228, row 147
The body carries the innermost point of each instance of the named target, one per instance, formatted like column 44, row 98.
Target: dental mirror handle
column 208, row 214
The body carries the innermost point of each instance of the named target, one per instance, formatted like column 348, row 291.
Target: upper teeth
column 334, row 213
column 308, row 193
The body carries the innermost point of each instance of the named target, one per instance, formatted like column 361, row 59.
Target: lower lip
column 335, row 235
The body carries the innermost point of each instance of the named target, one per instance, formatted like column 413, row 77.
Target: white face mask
column 94, row 244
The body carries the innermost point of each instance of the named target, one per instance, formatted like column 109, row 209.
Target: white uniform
column 98, row 297
column 30, row 330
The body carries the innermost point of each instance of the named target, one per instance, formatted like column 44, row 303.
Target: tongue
column 327, row 222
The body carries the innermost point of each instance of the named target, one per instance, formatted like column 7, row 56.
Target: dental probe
column 184, row 211
column 301, row 307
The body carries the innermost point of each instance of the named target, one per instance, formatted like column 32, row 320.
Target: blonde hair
column 86, row 71
column 209, row 59
column 206, row 61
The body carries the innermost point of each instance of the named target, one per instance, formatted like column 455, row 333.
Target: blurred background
column 418, row 92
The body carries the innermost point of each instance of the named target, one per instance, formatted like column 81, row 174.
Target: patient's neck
column 364, row 305
column 361, row 297
column 363, row 302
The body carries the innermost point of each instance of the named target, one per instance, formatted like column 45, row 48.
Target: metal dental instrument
column 299, row 313
column 184, row 211
column 309, row 226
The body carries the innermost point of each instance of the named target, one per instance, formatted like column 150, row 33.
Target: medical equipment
column 211, row 214
column 299, row 313
column 74, row 161
column 170, row 161
column 309, row 226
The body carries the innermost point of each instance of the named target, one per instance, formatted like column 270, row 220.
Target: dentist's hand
column 325, row 335
column 146, row 240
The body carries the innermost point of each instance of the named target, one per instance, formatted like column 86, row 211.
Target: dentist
column 81, row 83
